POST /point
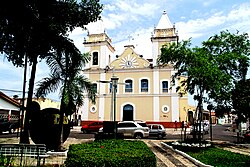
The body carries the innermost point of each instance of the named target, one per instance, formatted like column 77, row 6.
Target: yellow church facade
column 131, row 87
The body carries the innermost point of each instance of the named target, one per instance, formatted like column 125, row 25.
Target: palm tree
column 66, row 74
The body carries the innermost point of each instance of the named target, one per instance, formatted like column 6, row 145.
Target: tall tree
column 66, row 75
column 195, row 62
column 241, row 99
column 231, row 54
column 37, row 28
column 212, row 68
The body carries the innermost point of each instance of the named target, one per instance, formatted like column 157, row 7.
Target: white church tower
column 163, row 33
column 98, row 45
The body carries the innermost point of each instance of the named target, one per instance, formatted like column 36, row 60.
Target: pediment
column 129, row 59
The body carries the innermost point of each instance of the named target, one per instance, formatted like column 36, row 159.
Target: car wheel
column 138, row 136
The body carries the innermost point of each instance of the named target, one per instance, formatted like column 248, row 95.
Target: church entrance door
column 128, row 111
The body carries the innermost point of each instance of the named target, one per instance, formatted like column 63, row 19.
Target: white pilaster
column 156, row 103
column 101, row 98
column 101, row 108
column 155, row 52
column 103, row 56
column 156, row 108
column 175, row 109
column 85, row 109
column 156, row 82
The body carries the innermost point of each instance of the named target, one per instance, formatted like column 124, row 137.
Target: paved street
column 219, row 134
column 166, row 157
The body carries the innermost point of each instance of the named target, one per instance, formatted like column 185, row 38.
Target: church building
column 132, row 87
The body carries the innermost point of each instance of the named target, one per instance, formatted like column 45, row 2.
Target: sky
column 133, row 21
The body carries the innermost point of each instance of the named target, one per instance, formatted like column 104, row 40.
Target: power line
column 11, row 90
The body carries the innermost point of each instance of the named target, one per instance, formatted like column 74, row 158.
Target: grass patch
column 216, row 156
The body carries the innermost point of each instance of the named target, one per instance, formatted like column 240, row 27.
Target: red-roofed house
column 9, row 107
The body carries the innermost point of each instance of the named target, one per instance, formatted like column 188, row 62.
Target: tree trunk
column 24, row 138
column 62, row 108
column 200, row 118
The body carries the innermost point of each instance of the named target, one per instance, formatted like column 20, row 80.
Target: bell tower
column 98, row 44
column 164, row 33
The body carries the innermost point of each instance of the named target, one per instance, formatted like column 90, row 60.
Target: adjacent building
column 9, row 108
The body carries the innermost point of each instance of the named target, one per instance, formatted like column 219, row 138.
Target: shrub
column 111, row 153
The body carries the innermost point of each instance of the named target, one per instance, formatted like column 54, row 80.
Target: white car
column 204, row 128
column 135, row 129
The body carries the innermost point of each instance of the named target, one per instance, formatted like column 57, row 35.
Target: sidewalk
column 76, row 129
column 177, row 131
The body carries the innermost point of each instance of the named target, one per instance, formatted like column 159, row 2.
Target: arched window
column 95, row 58
column 144, row 85
column 129, row 85
column 165, row 86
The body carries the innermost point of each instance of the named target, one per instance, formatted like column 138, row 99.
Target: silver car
column 157, row 130
column 133, row 129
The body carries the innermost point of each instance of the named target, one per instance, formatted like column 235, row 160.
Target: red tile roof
column 10, row 100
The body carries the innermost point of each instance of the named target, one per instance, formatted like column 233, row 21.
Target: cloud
column 119, row 13
column 78, row 35
column 141, row 39
column 238, row 18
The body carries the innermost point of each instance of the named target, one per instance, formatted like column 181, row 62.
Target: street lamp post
column 114, row 81
column 210, row 107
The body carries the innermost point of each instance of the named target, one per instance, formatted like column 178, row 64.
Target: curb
column 195, row 161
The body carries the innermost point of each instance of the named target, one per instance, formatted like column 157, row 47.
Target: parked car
column 92, row 127
column 204, row 128
column 135, row 129
column 8, row 126
column 246, row 136
column 157, row 130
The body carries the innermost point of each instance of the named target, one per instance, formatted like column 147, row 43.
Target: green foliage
column 7, row 161
column 215, row 156
column 241, row 99
column 113, row 153
column 37, row 29
column 212, row 68
column 66, row 74
column 221, row 158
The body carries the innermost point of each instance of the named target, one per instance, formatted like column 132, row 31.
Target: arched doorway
column 128, row 113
